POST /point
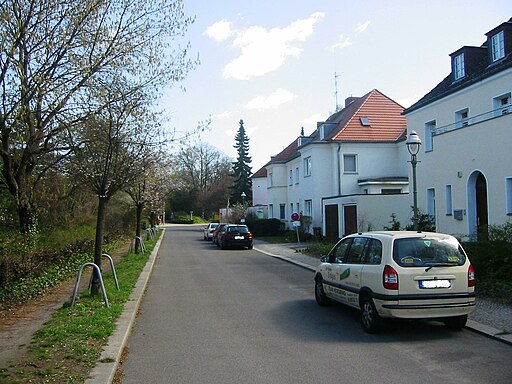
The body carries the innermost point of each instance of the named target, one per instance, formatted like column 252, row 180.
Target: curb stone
column 105, row 369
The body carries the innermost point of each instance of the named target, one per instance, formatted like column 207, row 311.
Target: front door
column 481, row 207
column 332, row 228
column 350, row 219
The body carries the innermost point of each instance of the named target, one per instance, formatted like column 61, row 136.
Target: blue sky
column 272, row 63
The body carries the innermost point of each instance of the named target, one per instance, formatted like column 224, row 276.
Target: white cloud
column 225, row 115
column 272, row 101
column 341, row 43
column 219, row 31
column 361, row 27
column 312, row 120
column 265, row 50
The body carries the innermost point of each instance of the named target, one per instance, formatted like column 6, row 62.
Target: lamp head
column 413, row 143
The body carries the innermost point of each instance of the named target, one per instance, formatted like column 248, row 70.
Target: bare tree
column 149, row 189
column 52, row 55
column 113, row 146
column 203, row 174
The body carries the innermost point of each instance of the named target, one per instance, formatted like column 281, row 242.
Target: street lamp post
column 413, row 146
column 243, row 195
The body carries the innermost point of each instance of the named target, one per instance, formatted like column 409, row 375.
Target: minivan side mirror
column 324, row 259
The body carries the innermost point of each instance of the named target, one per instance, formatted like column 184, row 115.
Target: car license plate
column 239, row 237
column 431, row 284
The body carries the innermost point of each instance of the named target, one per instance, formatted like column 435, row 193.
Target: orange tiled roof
column 385, row 123
column 286, row 154
column 384, row 116
column 262, row 172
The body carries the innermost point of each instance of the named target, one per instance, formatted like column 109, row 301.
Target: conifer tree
column 241, row 191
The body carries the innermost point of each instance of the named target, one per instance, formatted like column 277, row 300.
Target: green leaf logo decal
column 345, row 274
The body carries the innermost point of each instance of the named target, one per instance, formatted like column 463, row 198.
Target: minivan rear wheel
column 456, row 323
column 370, row 319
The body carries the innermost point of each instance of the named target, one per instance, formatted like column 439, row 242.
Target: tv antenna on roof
column 337, row 106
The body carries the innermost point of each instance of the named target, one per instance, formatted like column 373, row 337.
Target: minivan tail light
column 471, row 276
column 390, row 278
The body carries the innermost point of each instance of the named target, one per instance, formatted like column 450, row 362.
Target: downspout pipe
column 339, row 168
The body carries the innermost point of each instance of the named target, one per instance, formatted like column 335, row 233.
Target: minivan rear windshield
column 424, row 252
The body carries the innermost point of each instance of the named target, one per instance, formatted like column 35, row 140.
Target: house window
column 497, row 46
column 270, row 180
column 282, row 211
column 298, row 207
column 431, row 202
column 365, row 121
column 291, row 177
column 291, row 208
column 271, row 211
column 349, row 163
column 307, row 166
column 297, row 175
column 508, row 194
column 462, row 118
column 308, row 208
column 429, row 133
column 449, row 206
column 501, row 105
column 458, row 67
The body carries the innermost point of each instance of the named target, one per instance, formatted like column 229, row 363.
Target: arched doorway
column 478, row 216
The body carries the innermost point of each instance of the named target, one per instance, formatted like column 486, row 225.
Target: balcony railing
column 495, row 113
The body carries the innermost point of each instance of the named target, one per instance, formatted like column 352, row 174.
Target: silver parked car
column 208, row 231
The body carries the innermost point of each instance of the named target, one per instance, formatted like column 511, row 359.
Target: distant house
column 260, row 194
column 350, row 174
column 465, row 122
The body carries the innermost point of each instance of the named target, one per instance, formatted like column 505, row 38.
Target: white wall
column 482, row 146
column 259, row 191
column 374, row 211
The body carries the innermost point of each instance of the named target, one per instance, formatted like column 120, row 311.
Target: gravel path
column 494, row 314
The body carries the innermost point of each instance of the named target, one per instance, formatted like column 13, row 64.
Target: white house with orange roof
column 349, row 175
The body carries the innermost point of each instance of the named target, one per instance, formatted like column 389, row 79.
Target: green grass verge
column 66, row 349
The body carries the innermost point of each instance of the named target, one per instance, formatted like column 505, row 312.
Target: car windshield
column 239, row 229
column 428, row 252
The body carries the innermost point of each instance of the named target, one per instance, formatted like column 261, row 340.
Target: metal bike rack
column 112, row 268
column 77, row 283
column 132, row 245
column 113, row 271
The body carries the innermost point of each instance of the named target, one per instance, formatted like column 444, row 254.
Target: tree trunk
column 140, row 208
column 98, row 244
column 26, row 218
column 153, row 219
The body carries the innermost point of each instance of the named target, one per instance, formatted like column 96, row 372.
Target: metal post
column 414, row 192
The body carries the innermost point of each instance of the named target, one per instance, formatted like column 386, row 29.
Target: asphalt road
column 240, row 316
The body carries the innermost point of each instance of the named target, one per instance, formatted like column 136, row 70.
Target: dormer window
column 458, row 67
column 497, row 46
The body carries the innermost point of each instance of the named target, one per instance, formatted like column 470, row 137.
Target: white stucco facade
column 460, row 152
column 328, row 182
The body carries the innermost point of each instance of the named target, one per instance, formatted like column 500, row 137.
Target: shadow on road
column 304, row 319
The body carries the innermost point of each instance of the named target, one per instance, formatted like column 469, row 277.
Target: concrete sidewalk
column 484, row 320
